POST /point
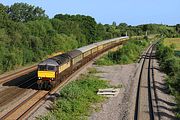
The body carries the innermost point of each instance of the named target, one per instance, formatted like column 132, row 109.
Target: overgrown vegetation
column 27, row 35
column 174, row 43
column 170, row 64
column 76, row 98
column 129, row 53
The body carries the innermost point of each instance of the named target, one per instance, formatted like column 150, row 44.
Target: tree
column 178, row 28
column 22, row 12
column 100, row 32
column 3, row 12
column 123, row 27
column 87, row 25
column 114, row 24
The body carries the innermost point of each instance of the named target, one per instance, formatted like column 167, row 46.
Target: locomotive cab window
column 51, row 68
column 42, row 67
column 46, row 68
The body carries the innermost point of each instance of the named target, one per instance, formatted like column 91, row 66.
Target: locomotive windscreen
column 46, row 68
column 42, row 67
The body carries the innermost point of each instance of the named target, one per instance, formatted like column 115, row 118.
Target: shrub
column 170, row 64
column 76, row 99
column 127, row 54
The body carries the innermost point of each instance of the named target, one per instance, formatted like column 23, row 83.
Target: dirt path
column 116, row 108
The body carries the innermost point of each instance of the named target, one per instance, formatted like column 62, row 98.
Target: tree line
column 28, row 35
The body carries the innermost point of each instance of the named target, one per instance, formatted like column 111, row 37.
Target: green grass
column 93, row 70
column 173, row 41
column 104, row 60
column 129, row 53
column 76, row 99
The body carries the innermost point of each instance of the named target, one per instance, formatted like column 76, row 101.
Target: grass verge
column 76, row 99
column 172, row 41
column 170, row 64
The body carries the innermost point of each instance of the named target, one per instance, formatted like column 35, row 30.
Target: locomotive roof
column 56, row 60
column 86, row 48
column 50, row 62
column 73, row 53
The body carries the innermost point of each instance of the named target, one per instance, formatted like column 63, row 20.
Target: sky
column 132, row 12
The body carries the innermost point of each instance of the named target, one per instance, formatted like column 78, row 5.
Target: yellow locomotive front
column 46, row 73
column 51, row 71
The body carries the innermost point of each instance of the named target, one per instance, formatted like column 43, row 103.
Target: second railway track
column 145, row 105
column 17, row 74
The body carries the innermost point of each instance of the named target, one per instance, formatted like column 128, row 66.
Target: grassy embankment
column 77, row 98
column 170, row 64
column 175, row 42
column 129, row 53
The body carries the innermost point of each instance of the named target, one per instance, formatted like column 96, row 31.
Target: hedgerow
column 170, row 64
column 129, row 53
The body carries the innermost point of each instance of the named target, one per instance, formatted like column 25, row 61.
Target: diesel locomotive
column 56, row 69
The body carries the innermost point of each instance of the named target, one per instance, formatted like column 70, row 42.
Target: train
column 54, row 70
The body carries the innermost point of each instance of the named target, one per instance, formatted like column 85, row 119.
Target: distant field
column 176, row 41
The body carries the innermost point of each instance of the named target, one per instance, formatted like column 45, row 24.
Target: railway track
column 10, row 95
column 17, row 74
column 145, row 107
column 21, row 110
column 15, row 91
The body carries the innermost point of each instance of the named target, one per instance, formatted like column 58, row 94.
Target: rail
column 17, row 74
column 139, row 87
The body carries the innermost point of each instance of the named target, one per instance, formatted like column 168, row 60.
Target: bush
column 127, row 54
column 170, row 64
column 76, row 98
